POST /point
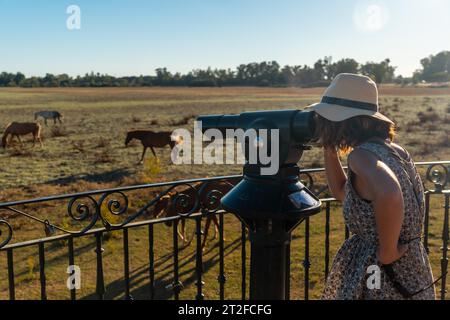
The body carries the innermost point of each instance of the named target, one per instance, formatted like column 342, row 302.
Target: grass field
column 87, row 152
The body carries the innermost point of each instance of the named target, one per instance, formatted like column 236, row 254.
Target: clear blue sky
column 132, row 37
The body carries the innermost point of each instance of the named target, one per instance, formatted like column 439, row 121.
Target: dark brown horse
column 17, row 129
column 150, row 139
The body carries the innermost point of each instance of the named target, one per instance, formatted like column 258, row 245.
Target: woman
column 383, row 198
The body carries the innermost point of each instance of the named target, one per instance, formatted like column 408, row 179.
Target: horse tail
column 5, row 135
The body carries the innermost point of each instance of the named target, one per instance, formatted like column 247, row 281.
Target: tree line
column 435, row 68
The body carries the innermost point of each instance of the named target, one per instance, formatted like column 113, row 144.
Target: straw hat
column 348, row 96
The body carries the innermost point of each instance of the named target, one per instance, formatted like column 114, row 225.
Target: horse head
column 128, row 138
column 5, row 139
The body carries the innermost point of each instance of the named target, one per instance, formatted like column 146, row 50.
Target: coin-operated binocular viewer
column 270, row 205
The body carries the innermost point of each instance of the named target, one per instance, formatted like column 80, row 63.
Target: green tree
column 342, row 66
column 379, row 72
column 436, row 68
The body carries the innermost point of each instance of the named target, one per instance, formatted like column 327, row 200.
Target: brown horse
column 17, row 129
column 165, row 205
column 150, row 139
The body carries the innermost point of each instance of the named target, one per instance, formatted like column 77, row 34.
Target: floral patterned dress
column 349, row 274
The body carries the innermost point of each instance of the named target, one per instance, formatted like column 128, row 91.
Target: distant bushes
column 263, row 74
column 428, row 116
column 322, row 83
column 58, row 131
column 181, row 122
column 203, row 83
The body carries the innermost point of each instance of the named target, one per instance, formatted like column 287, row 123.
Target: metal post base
column 269, row 244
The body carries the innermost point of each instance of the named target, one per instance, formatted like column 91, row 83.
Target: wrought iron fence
column 198, row 200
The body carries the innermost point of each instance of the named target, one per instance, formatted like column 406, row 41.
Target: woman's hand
column 386, row 257
column 336, row 177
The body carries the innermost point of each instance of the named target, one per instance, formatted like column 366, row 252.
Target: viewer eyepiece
column 295, row 127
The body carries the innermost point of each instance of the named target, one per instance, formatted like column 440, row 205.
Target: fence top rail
column 97, row 230
column 163, row 184
column 111, row 190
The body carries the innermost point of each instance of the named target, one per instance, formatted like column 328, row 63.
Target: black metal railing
column 96, row 213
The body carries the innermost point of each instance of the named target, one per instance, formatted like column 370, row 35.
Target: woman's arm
column 336, row 177
column 385, row 192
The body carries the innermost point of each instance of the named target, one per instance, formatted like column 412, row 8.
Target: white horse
column 55, row 115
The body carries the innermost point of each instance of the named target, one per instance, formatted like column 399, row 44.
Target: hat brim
column 337, row 113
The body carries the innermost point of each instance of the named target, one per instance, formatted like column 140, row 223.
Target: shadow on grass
column 105, row 177
column 60, row 259
column 139, row 278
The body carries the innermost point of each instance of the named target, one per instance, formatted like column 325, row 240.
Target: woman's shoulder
column 401, row 151
column 379, row 148
column 366, row 149
column 361, row 159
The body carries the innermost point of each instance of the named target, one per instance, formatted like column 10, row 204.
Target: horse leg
column 182, row 233
column 205, row 231
column 143, row 154
column 40, row 141
column 11, row 139
column 20, row 141
column 216, row 226
column 45, row 121
column 183, row 230
column 59, row 119
column 153, row 151
column 54, row 120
